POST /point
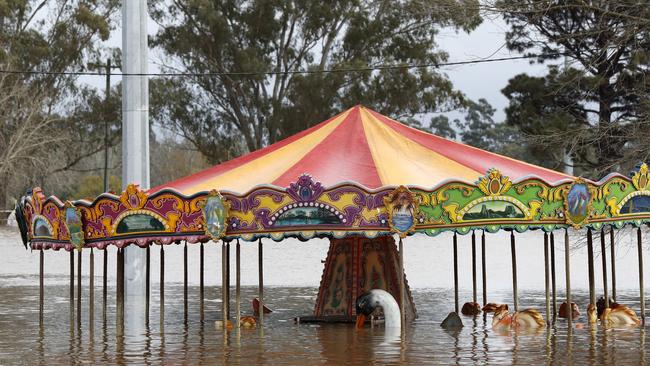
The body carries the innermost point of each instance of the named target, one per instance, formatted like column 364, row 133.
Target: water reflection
column 23, row 341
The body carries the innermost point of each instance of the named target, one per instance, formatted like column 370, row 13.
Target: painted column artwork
column 353, row 266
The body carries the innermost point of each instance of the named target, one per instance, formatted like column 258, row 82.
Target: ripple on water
column 283, row 343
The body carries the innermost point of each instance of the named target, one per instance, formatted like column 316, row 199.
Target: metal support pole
column 135, row 144
column 546, row 280
column 224, row 313
column 201, row 288
column 105, row 285
column 603, row 255
column 91, row 291
column 484, row 268
column 228, row 279
column 148, row 286
column 513, row 253
column 590, row 266
column 567, row 271
column 237, row 285
column 261, row 281
column 71, row 286
column 473, row 266
column 79, row 287
column 456, row 273
column 641, row 292
column 185, row 281
column 553, row 283
column 162, row 285
column 612, row 254
column 402, row 300
column 41, row 288
column 120, row 291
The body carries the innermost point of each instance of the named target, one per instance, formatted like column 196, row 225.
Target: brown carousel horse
column 528, row 319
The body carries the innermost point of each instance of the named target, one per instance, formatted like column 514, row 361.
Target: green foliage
column 231, row 114
column 90, row 186
column 593, row 106
column 45, row 120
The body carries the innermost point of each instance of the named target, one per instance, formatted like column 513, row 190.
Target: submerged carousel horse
column 619, row 315
column 367, row 303
column 592, row 315
column 492, row 306
column 245, row 321
column 529, row 318
column 470, row 308
column 564, row 311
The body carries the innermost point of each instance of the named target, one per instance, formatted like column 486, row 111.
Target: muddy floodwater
column 66, row 340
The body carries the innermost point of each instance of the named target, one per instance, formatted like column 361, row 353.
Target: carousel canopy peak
column 363, row 146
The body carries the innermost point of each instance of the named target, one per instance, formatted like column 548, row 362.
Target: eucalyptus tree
column 598, row 87
column 40, row 43
column 260, row 70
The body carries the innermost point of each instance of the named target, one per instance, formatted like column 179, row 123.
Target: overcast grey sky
column 484, row 80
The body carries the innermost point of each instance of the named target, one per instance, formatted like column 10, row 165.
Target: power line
column 288, row 72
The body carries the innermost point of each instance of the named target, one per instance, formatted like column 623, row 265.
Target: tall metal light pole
column 135, row 144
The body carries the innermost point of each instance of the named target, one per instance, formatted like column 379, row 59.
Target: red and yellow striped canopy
column 363, row 146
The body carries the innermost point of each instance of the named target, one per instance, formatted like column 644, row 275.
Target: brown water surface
column 281, row 342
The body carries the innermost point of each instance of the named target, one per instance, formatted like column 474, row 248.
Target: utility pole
column 135, row 146
column 107, row 69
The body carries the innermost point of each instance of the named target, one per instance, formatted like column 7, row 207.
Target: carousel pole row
column 514, row 270
column 91, row 291
column 613, row 259
column 41, row 289
column 641, row 292
column 473, row 267
column 546, row 280
column 456, row 273
column 568, row 277
column 201, row 289
column 590, row 259
column 553, row 283
column 162, row 286
column 483, row 268
column 402, row 300
column 603, row 254
column 261, row 281
column 237, row 285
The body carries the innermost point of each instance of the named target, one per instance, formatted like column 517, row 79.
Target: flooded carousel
column 366, row 183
